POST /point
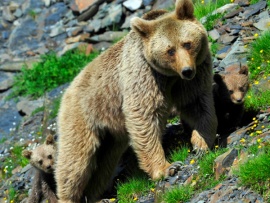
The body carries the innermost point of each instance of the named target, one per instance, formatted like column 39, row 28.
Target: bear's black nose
column 187, row 72
column 239, row 100
column 48, row 167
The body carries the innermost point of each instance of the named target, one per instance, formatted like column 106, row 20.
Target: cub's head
column 174, row 43
column 233, row 86
column 43, row 156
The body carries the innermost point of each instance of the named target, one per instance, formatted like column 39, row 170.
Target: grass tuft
column 50, row 73
column 178, row 194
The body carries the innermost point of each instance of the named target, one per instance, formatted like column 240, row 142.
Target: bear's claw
column 174, row 168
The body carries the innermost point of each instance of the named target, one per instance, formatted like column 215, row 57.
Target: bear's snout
column 188, row 73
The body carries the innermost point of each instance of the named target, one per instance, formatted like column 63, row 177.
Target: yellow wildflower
column 249, row 96
column 12, row 201
column 256, row 82
column 188, row 150
column 232, row 1
column 135, row 198
column 251, row 134
column 252, row 59
column 112, row 200
column 259, row 132
column 153, row 189
column 192, row 161
column 258, row 67
column 242, row 140
column 202, row 2
column 254, row 118
column 216, row 146
column 262, row 126
column 268, row 24
column 245, row 46
column 259, row 146
column 261, row 51
column 259, row 140
column 256, row 35
column 256, row 121
column 268, row 61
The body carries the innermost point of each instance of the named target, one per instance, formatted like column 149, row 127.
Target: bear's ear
column 49, row 140
column 27, row 154
column 243, row 70
column 184, row 9
column 218, row 78
column 141, row 26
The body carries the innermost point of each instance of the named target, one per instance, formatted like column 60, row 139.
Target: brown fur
column 229, row 93
column 123, row 98
column 42, row 158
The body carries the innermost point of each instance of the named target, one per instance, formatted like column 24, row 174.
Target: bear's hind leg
column 76, row 161
column 108, row 156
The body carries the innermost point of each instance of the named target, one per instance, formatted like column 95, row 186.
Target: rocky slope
column 31, row 28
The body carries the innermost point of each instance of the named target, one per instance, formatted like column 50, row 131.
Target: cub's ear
column 243, row 70
column 27, row 154
column 141, row 26
column 49, row 140
column 218, row 78
column 184, row 9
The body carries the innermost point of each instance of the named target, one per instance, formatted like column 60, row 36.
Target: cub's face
column 174, row 47
column 43, row 158
column 237, row 86
column 232, row 87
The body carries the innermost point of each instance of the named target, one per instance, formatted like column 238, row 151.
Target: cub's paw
column 174, row 168
column 198, row 143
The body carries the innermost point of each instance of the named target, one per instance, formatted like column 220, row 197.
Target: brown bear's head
column 233, row 86
column 174, row 43
column 43, row 156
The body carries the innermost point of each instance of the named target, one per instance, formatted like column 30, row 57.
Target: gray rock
column 133, row 4
column 27, row 106
column 263, row 24
column 253, row 9
column 57, row 29
column 6, row 81
column 7, row 15
column 109, row 36
column 17, row 65
column 163, row 4
column 214, row 34
column 18, row 13
column 113, row 16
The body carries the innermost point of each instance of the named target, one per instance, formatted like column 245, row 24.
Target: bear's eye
column 49, row 156
column 171, row 52
column 187, row 45
column 231, row 91
column 241, row 89
column 40, row 162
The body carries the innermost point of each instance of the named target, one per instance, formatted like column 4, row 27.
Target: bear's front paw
column 174, row 168
column 198, row 142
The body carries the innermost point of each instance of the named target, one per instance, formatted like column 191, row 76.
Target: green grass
column 255, row 173
column 51, row 72
column 134, row 187
column 15, row 159
column 257, row 100
column 259, row 57
column 178, row 194
column 179, row 154
column 206, row 174
column 202, row 8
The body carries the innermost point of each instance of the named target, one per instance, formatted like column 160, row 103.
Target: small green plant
column 32, row 14
column 178, row 194
column 174, row 120
column 136, row 186
column 11, row 195
column 179, row 154
column 259, row 57
column 212, row 20
column 255, row 173
column 14, row 160
column 51, row 72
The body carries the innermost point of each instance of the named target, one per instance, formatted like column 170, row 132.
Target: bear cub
column 43, row 158
column 229, row 92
